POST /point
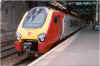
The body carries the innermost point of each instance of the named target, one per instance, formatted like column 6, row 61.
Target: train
column 41, row 27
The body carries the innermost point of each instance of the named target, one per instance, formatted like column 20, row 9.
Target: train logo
column 29, row 33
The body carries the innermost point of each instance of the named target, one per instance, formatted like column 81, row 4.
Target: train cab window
column 55, row 19
column 35, row 18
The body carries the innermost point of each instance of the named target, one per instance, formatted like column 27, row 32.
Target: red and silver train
column 40, row 28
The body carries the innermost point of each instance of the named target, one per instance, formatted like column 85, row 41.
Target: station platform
column 81, row 49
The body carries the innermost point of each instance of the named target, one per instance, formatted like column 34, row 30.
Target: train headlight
column 18, row 36
column 41, row 37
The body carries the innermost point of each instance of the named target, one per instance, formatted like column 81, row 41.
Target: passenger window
column 55, row 19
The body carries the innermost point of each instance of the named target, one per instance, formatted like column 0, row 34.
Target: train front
column 32, row 30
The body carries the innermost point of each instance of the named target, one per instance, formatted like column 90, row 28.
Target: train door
column 56, row 26
column 57, row 19
column 53, row 31
column 59, row 25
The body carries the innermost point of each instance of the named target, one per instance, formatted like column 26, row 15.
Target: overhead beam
column 57, row 4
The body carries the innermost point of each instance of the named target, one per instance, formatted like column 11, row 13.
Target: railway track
column 12, row 60
column 25, row 61
column 7, row 49
column 8, row 55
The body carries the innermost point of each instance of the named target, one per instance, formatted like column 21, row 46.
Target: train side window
column 55, row 19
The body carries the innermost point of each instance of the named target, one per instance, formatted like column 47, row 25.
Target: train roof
column 44, row 8
column 40, row 8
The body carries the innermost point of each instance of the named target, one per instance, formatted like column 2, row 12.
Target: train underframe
column 28, row 47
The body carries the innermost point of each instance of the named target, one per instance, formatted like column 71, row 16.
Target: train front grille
column 30, row 46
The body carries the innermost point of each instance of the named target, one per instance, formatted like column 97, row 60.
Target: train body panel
column 68, row 26
column 53, row 33
column 39, row 31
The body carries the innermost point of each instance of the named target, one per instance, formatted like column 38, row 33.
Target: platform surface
column 84, row 50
